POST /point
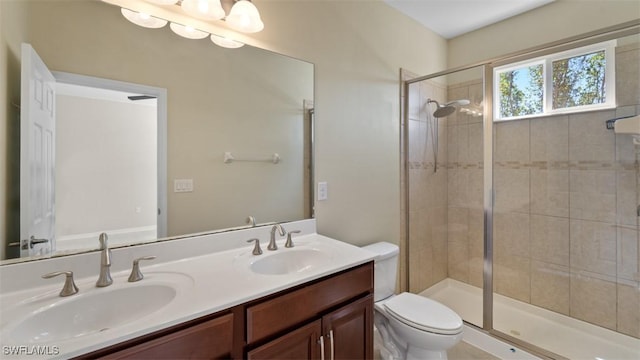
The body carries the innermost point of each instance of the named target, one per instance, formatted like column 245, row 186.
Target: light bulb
column 244, row 17
column 142, row 19
column 188, row 31
column 226, row 42
column 203, row 9
column 163, row 2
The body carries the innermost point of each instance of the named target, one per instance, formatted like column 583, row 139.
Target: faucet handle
column 69, row 287
column 256, row 249
column 289, row 243
column 136, row 274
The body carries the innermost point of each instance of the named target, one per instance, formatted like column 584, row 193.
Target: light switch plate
column 182, row 185
column 323, row 191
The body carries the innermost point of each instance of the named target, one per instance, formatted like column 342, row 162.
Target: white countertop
column 205, row 284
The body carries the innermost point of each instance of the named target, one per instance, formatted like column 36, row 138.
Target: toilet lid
column 424, row 314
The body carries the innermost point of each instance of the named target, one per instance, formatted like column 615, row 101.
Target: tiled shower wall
column 565, row 221
column 465, row 186
column 427, row 259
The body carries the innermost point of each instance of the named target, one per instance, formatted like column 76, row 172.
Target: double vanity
column 209, row 296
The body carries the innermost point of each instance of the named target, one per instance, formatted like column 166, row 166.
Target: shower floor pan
column 546, row 329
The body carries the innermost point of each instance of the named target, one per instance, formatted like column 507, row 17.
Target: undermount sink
column 288, row 261
column 92, row 312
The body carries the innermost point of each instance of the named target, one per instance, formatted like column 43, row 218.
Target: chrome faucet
column 272, row 241
column 105, row 262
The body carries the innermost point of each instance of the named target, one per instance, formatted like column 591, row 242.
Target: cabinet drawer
column 212, row 339
column 272, row 316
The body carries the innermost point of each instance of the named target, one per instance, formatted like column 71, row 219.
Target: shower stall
column 527, row 228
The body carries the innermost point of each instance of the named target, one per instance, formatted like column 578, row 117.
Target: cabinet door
column 212, row 339
column 348, row 331
column 299, row 344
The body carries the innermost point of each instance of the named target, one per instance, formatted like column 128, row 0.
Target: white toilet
column 411, row 326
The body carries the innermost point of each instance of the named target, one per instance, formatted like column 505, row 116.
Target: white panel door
column 37, row 156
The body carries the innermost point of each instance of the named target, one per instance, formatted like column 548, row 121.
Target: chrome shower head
column 448, row 108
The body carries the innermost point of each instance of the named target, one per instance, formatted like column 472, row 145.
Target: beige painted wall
column 555, row 21
column 358, row 48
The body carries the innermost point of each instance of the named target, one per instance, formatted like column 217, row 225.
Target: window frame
column 547, row 87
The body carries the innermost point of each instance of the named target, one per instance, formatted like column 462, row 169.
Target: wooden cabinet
column 348, row 331
column 345, row 333
column 341, row 305
column 211, row 339
column 299, row 344
column 329, row 318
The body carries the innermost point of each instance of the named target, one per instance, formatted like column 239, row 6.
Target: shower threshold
column 560, row 334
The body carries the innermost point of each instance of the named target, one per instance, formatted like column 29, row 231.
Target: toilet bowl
column 411, row 326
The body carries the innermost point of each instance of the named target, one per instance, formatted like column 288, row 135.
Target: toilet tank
column 385, row 269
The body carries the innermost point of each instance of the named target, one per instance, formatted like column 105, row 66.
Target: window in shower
column 571, row 81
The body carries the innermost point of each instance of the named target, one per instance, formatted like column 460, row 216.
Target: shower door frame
column 608, row 33
column 487, row 126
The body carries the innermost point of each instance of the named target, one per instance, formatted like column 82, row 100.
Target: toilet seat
column 424, row 314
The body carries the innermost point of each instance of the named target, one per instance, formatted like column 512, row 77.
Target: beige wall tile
column 420, row 252
column 458, row 187
column 457, row 93
column 550, row 239
column 589, row 139
column 511, row 235
column 626, row 197
column 550, row 139
column 463, row 144
column 458, row 257
column 593, row 300
column 476, row 247
column 512, row 277
column 512, row 189
column 550, row 286
column 628, row 254
column 628, row 77
column 593, row 247
column 475, row 189
column 550, row 192
column 476, row 143
column 476, row 96
column 511, row 141
column 629, row 309
column 593, row 195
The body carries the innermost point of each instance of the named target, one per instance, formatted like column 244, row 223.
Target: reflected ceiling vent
column 140, row 97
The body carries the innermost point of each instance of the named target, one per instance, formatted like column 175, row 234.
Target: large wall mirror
column 208, row 104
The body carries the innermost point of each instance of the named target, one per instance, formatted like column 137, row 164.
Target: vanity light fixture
column 188, row 31
column 203, row 9
column 244, row 17
column 163, row 2
column 142, row 19
column 225, row 42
